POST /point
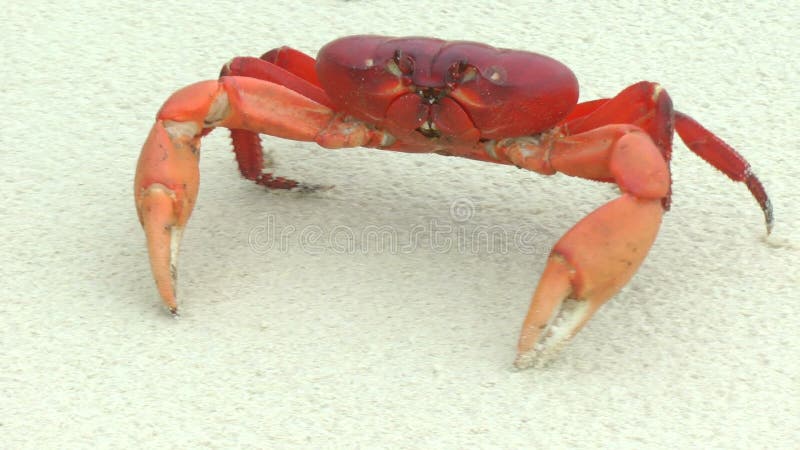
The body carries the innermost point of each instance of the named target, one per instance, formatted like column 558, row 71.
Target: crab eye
column 400, row 64
column 460, row 72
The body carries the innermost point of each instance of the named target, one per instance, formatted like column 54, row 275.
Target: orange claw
column 590, row 264
column 167, row 176
column 167, row 180
column 165, row 190
column 600, row 254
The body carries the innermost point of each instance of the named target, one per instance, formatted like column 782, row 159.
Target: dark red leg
column 585, row 108
column 276, row 66
column 719, row 154
column 295, row 62
column 643, row 104
column 648, row 106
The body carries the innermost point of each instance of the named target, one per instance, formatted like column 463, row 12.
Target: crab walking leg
column 247, row 144
column 724, row 158
column 600, row 254
column 167, row 176
column 294, row 61
column 647, row 105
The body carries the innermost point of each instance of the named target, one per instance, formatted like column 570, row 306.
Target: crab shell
column 457, row 88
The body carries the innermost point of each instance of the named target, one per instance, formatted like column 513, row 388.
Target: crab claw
column 600, row 254
column 167, row 175
column 590, row 264
column 165, row 190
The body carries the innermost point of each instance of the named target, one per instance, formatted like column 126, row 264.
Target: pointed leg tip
column 309, row 188
column 769, row 218
column 272, row 182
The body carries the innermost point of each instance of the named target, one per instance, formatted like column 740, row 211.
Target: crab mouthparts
column 429, row 130
column 432, row 95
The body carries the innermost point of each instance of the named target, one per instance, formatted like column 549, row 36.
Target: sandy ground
column 284, row 344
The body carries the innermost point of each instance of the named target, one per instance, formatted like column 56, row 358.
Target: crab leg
column 646, row 105
column 724, row 158
column 598, row 256
column 289, row 68
column 167, row 176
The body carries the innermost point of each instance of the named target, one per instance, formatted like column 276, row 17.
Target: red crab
column 463, row 99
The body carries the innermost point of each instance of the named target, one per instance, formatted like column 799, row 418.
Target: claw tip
column 537, row 357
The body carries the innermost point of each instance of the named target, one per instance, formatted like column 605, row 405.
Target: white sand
column 388, row 349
